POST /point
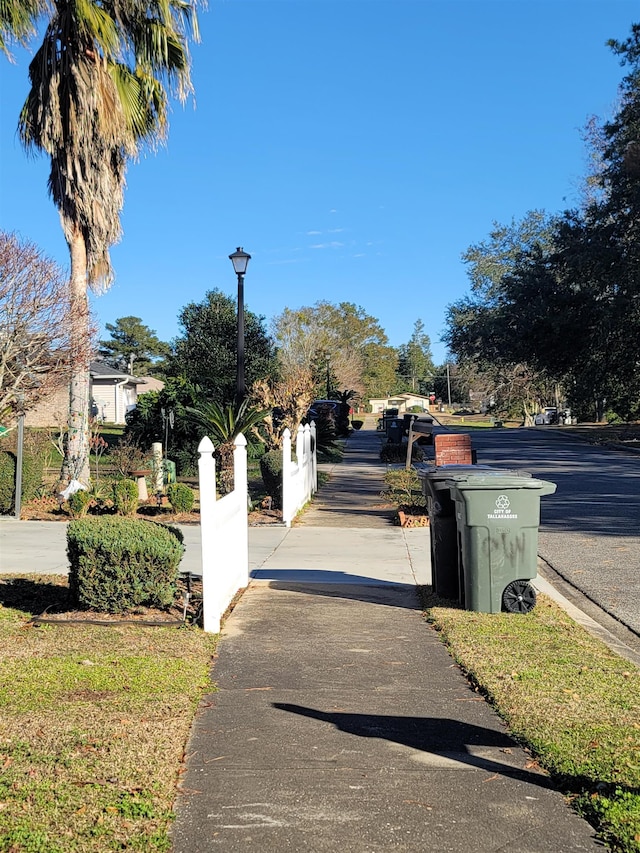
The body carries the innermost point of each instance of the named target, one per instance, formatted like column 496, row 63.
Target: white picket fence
column 224, row 524
column 300, row 478
column 225, row 533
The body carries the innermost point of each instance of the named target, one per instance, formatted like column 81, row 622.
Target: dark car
column 323, row 409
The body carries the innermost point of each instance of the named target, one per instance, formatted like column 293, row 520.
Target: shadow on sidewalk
column 341, row 585
column 447, row 738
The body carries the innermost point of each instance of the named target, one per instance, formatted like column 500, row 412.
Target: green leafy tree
column 501, row 329
column 558, row 300
column 133, row 347
column 99, row 88
column 147, row 423
column 415, row 362
column 206, row 351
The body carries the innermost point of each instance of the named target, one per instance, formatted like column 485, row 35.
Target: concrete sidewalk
column 340, row 722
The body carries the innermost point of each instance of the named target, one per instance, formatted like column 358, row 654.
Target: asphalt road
column 590, row 528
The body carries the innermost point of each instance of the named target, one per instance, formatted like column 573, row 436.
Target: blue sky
column 354, row 147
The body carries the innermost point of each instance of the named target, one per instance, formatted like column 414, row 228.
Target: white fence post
column 314, row 458
column 224, row 533
column 307, row 470
column 287, row 465
column 299, row 479
column 207, row 482
column 241, row 489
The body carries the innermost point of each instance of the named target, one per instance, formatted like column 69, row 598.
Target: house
column 113, row 392
column 402, row 402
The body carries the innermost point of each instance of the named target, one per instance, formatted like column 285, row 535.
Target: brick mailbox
column 454, row 449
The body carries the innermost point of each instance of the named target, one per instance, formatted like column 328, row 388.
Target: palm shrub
column 125, row 497
column 344, row 398
column 326, row 443
column 117, row 564
column 223, row 424
column 181, row 497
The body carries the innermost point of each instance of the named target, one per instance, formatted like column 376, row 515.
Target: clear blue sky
column 354, row 147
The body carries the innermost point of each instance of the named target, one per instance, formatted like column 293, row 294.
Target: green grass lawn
column 567, row 696
column 93, row 725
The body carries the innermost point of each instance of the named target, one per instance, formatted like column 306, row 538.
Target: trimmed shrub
column 271, row 470
column 78, row 503
column 181, row 497
column 33, row 463
column 117, row 564
column 125, row 497
column 7, row 481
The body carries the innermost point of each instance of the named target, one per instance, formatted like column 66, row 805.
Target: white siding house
column 401, row 402
column 115, row 393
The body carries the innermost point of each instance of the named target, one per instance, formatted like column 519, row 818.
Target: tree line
column 553, row 313
column 315, row 352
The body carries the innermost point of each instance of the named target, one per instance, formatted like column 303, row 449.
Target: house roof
column 150, row 383
column 403, row 396
column 102, row 370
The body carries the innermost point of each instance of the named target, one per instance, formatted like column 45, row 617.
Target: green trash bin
column 443, row 529
column 497, row 518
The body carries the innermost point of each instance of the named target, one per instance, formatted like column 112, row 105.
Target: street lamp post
column 240, row 260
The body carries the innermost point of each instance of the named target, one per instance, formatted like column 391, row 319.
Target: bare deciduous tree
column 287, row 400
column 35, row 325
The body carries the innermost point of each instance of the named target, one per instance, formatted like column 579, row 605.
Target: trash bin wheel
column 519, row 597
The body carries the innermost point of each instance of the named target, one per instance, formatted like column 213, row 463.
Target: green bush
column 117, row 564
column 398, row 452
column 403, row 488
column 181, row 497
column 125, row 497
column 271, row 470
column 7, row 481
column 78, row 503
column 33, row 464
column 186, row 461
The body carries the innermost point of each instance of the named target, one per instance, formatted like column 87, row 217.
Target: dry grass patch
column 93, row 724
column 567, row 696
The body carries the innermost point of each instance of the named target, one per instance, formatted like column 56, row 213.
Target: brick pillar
column 453, row 449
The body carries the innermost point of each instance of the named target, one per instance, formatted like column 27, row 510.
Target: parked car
column 548, row 416
column 323, row 409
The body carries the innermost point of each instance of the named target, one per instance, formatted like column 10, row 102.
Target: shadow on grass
column 32, row 596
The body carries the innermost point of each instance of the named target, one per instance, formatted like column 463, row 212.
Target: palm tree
column 222, row 425
column 17, row 21
column 100, row 83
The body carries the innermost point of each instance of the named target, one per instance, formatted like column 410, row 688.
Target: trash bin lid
column 448, row 472
column 501, row 480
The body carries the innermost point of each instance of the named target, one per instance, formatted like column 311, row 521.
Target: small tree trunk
column 528, row 417
column 75, row 465
column 225, row 467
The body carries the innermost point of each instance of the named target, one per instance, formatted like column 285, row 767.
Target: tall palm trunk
column 75, row 464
